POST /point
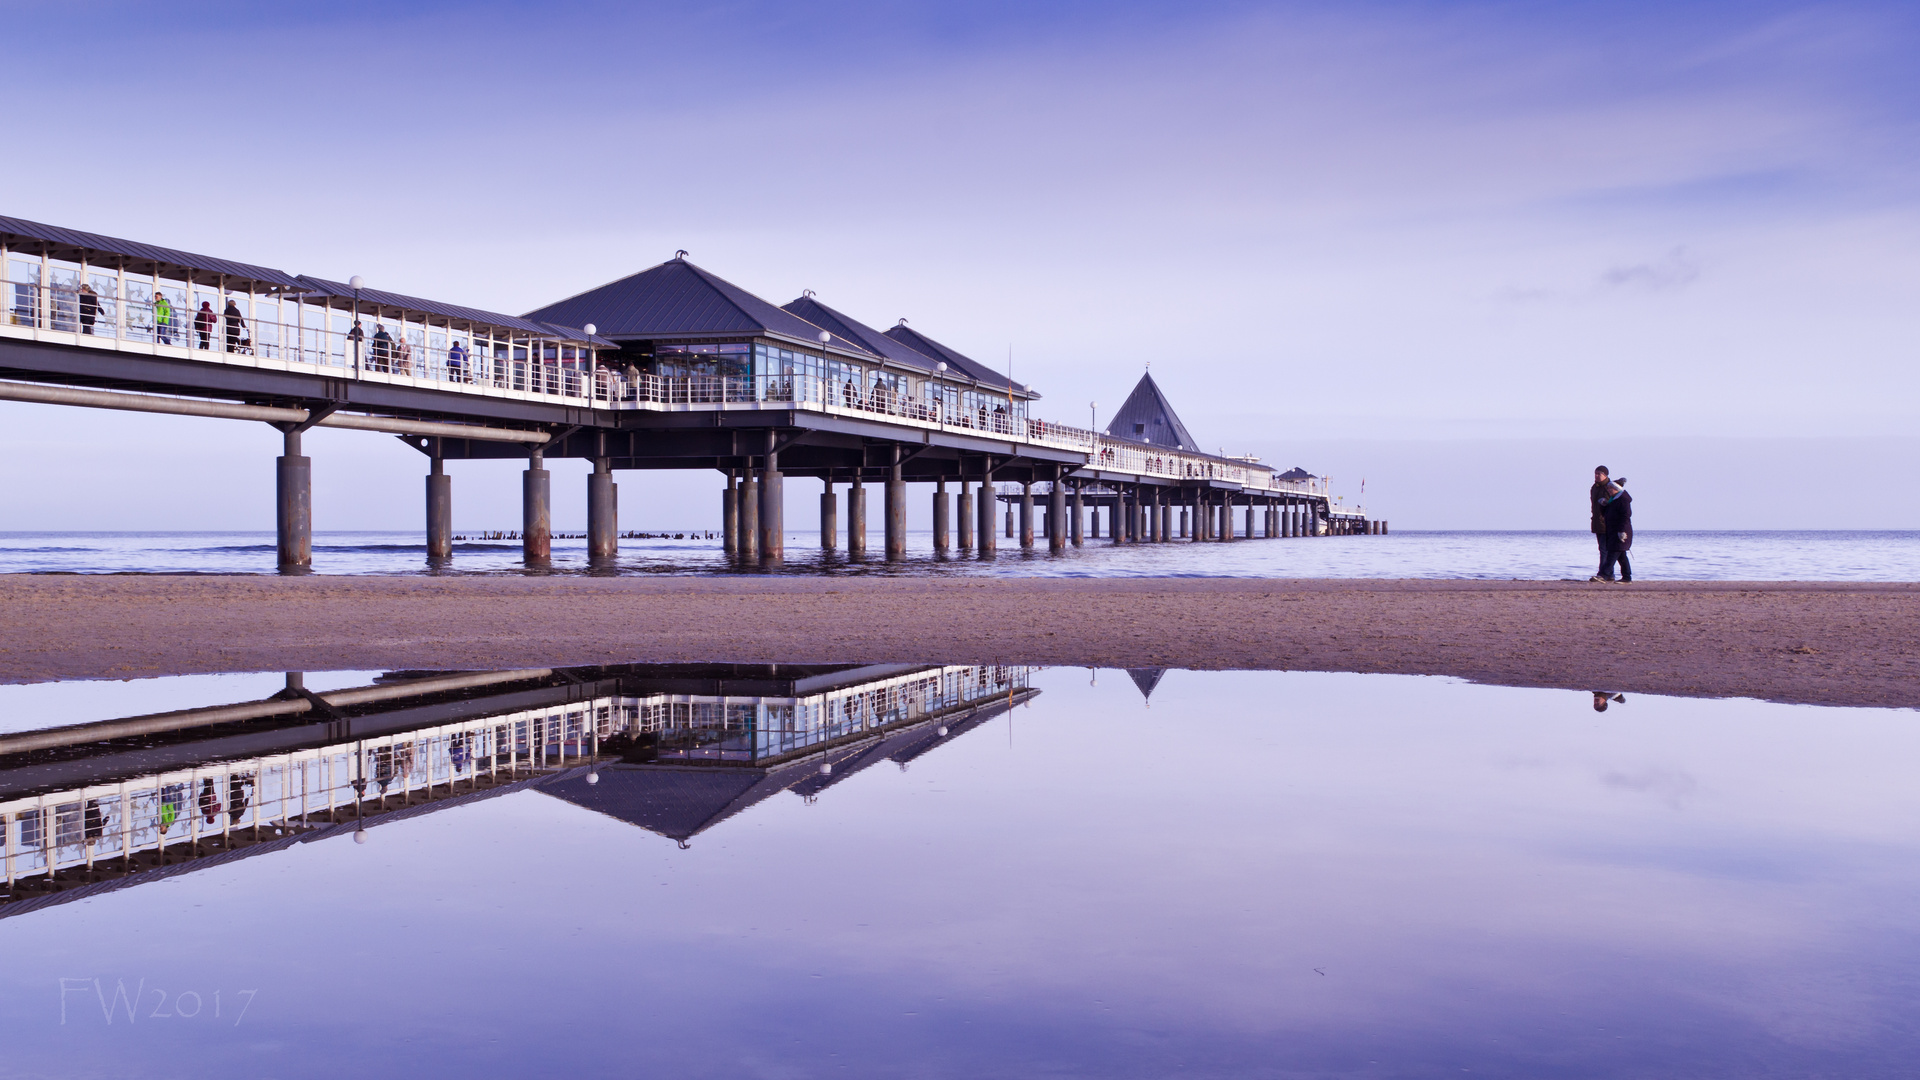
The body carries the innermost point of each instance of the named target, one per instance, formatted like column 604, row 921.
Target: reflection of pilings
column 191, row 718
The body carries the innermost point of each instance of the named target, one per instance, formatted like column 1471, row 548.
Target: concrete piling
column 439, row 508
column 1057, row 517
column 986, row 506
column 536, row 510
column 1079, row 513
column 896, row 500
column 730, row 516
column 829, row 518
column 293, row 506
column 965, row 513
column 603, row 514
column 942, row 535
column 857, row 519
column 749, row 515
column 773, row 545
column 1026, row 515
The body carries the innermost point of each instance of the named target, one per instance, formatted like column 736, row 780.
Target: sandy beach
column 1826, row 643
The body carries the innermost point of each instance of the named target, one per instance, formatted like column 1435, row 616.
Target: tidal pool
column 926, row 871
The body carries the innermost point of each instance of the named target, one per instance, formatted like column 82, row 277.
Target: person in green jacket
column 162, row 318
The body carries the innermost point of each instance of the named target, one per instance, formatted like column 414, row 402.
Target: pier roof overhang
column 72, row 245
column 963, row 365
column 453, row 313
column 677, row 300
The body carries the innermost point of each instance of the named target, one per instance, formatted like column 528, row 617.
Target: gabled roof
column 859, row 333
column 340, row 290
column 965, row 366
column 677, row 299
column 1148, row 417
column 70, row 243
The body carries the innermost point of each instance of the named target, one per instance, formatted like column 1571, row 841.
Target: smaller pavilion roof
column 453, row 312
column 677, row 299
column 1296, row 473
column 1147, row 416
column 859, row 333
column 964, row 365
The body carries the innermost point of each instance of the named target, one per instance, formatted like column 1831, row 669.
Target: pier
column 671, row 368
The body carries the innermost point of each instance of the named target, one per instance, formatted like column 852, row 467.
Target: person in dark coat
column 1617, row 515
column 1596, row 501
column 235, row 324
column 203, row 322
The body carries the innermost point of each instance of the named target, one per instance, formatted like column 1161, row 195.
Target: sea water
column 1657, row 555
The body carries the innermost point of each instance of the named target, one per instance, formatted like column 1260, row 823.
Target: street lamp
column 356, row 334
column 1093, row 415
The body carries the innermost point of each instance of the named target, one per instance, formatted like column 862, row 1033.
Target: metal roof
column 1148, row 417
column 379, row 298
column 71, row 244
column 859, row 333
column 677, row 299
column 1296, row 473
column 966, row 366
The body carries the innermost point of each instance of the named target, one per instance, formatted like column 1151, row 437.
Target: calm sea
column 1700, row 556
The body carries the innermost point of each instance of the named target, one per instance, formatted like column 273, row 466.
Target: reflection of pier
column 83, row 813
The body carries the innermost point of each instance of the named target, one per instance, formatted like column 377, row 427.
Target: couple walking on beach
column 1612, row 524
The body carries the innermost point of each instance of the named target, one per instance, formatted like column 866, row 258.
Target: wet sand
column 1826, row 643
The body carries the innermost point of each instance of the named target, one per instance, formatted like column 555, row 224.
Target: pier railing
column 303, row 332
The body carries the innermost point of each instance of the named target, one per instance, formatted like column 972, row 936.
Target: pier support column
column 1079, row 514
column 749, row 515
column 1117, row 517
column 1026, row 514
column 896, row 511
column 829, row 518
column 439, row 508
column 988, row 543
column 1186, row 523
column 965, row 512
column 942, row 534
column 1166, row 516
column 1010, row 526
column 1250, row 512
column 730, row 516
column 773, row 512
column 1226, row 517
column 603, row 512
column 293, row 506
column 536, row 510
column 857, row 519
column 1057, row 517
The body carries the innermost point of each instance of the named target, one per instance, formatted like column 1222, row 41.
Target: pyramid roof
column 677, row 299
column 1148, row 417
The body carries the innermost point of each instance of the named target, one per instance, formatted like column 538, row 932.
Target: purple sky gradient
column 1403, row 224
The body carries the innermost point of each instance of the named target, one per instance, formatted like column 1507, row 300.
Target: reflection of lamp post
column 354, row 284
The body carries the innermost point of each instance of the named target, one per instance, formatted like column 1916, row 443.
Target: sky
column 1462, row 251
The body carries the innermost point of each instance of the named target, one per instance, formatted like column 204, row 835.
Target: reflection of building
column 94, row 807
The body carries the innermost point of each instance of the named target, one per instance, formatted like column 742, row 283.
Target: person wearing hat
column 235, row 324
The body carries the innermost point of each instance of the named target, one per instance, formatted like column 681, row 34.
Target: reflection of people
column 1601, row 697
column 209, row 802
